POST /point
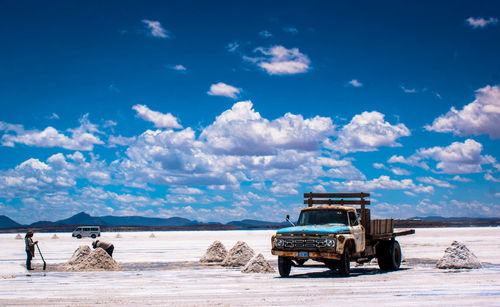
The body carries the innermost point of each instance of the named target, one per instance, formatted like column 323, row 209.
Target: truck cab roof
column 332, row 207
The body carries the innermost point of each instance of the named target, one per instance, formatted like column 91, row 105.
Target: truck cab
column 335, row 234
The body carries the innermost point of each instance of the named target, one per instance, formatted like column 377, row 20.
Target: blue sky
column 220, row 111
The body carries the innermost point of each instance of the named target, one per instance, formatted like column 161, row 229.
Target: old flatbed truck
column 330, row 230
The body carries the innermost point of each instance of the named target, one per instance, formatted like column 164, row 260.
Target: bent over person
column 30, row 248
column 108, row 247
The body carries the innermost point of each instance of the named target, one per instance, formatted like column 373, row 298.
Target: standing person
column 30, row 248
column 108, row 247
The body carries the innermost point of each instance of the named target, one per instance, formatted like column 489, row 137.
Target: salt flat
column 164, row 271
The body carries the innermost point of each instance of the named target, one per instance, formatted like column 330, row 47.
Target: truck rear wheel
column 344, row 265
column 389, row 255
column 284, row 266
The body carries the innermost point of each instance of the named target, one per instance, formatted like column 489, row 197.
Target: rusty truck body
column 331, row 230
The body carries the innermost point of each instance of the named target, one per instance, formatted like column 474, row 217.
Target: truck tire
column 344, row 264
column 389, row 255
column 284, row 266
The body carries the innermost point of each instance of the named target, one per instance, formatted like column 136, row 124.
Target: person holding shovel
column 30, row 249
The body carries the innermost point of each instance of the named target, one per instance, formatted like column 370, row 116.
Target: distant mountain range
column 83, row 218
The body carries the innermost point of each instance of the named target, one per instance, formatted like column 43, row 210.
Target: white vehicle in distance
column 87, row 231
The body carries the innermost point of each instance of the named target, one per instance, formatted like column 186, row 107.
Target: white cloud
column 478, row 117
column 480, row 22
column 461, row 179
column 179, row 67
column 368, row 131
column 222, row 89
column 436, row 182
column 186, row 190
column 54, row 116
column 490, row 177
column 284, row 189
column 379, row 165
column 155, row 29
column 242, row 131
column 457, row 158
column 381, row 183
column 399, row 171
column 408, row 90
column 265, row 34
column 292, row 30
column 159, row 119
column 120, row 140
column 231, row 47
column 355, row 83
column 278, row 60
column 82, row 137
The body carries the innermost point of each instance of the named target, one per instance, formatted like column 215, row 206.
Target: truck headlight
column 330, row 242
column 279, row 242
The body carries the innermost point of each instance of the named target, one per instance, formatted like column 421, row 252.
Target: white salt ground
column 258, row 264
column 458, row 256
column 215, row 253
column 238, row 255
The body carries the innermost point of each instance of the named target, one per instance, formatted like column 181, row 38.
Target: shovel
column 44, row 263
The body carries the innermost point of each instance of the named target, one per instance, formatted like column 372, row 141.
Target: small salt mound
column 215, row 253
column 458, row 256
column 78, row 255
column 239, row 255
column 19, row 237
column 55, row 236
column 258, row 264
column 152, row 235
column 118, row 236
column 97, row 260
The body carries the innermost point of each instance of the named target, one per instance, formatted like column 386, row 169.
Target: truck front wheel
column 284, row 266
column 344, row 265
column 389, row 255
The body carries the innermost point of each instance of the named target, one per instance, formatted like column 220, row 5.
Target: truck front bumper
column 312, row 254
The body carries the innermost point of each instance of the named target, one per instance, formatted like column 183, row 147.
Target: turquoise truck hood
column 312, row 229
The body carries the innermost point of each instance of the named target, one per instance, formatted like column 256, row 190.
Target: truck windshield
column 319, row 217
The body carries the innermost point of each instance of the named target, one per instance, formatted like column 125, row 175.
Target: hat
column 94, row 243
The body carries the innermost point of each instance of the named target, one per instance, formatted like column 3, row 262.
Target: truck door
column 357, row 232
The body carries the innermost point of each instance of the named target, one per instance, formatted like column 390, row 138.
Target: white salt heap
column 55, row 236
column 216, row 253
column 239, row 255
column 84, row 259
column 19, row 237
column 78, row 255
column 258, row 264
column 118, row 236
column 458, row 256
column 152, row 235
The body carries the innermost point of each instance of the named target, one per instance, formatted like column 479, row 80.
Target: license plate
column 303, row 254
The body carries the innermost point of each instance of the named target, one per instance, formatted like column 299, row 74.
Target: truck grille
column 305, row 243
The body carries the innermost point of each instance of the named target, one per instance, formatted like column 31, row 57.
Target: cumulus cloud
column 408, row 90
column 381, row 183
column 222, row 89
column 159, row 119
column 233, row 46
column 355, row 83
column 278, row 60
column 179, row 67
column 368, row 131
column 291, row 30
column 265, row 34
column 436, row 182
column 155, row 29
column 242, row 131
column 479, row 117
column 82, row 138
column 457, row 158
column 480, row 22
